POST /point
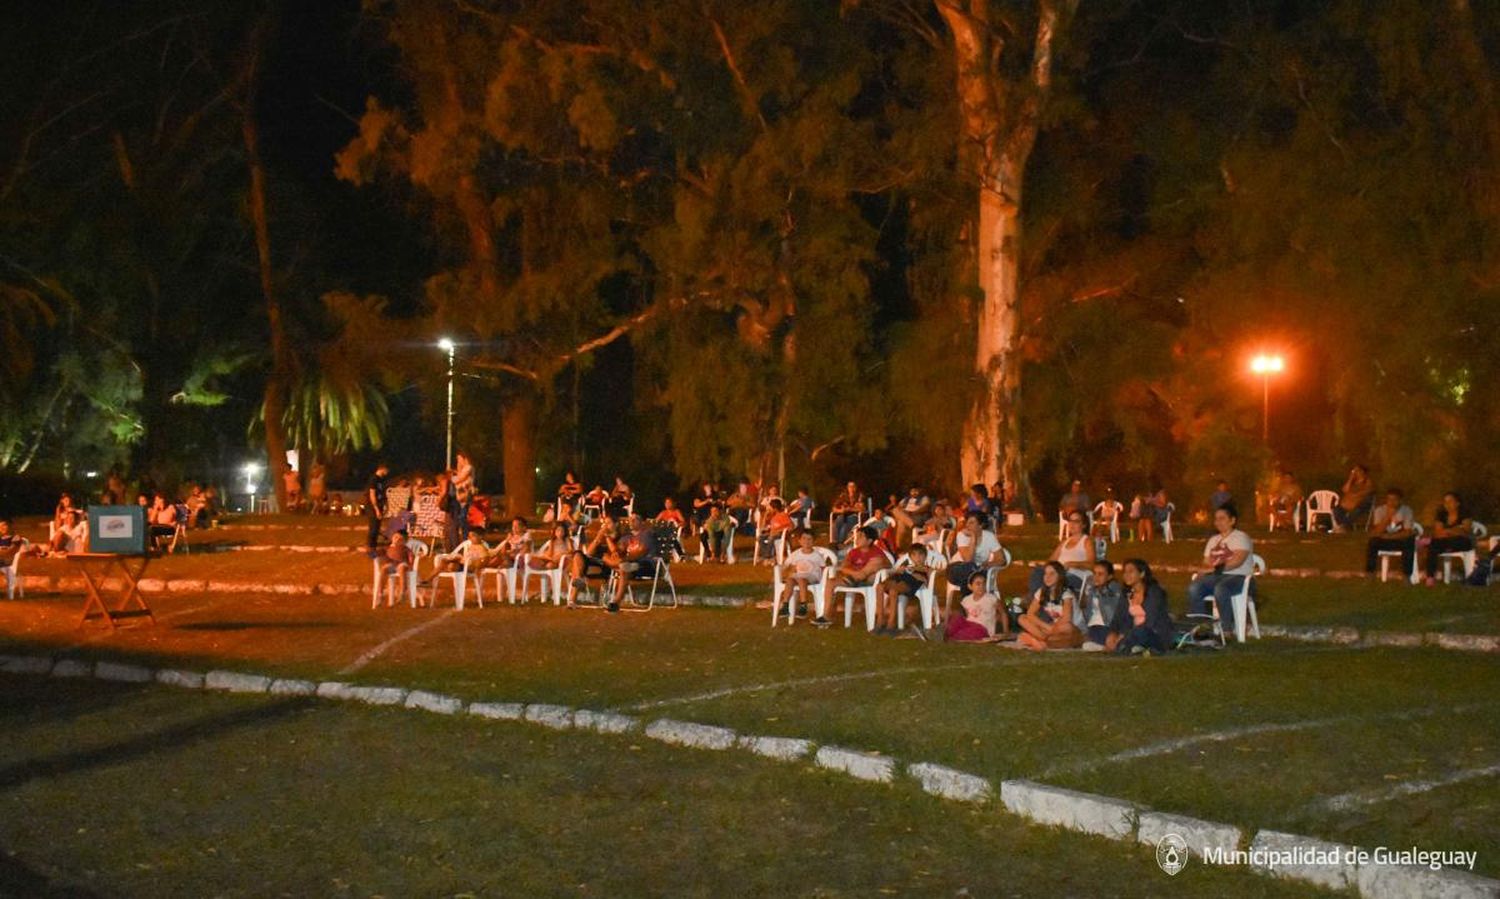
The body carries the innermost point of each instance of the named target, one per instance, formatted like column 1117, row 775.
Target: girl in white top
column 1048, row 622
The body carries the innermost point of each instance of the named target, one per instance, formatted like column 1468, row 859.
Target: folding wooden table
column 95, row 567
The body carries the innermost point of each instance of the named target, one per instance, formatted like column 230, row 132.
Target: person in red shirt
column 778, row 523
column 670, row 514
column 860, row 566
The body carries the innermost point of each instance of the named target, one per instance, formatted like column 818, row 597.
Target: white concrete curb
column 687, row 733
column 235, row 682
column 1200, row 835
column 1100, row 815
column 950, row 783
column 1044, row 804
column 863, row 765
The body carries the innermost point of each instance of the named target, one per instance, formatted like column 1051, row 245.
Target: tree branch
column 746, row 95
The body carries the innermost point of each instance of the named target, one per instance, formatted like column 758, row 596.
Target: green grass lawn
column 1264, row 735
column 143, row 792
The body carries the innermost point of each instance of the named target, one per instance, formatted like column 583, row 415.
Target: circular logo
column 1171, row 853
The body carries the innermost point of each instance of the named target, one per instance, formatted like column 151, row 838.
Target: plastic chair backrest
column 1322, row 501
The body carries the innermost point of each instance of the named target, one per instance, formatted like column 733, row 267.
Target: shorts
column 594, row 567
column 848, row 581
column 910, row 581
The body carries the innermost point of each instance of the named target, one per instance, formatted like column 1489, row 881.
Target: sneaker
column 1091, row 646
column 822, row 622
column 1138, row 650
column 612, row 608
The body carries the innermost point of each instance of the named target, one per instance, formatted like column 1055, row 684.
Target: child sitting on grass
column 1048, row 621
column 802, row 570
column 910, row 576
column 981, row 610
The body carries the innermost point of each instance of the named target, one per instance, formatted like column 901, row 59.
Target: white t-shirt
column 982, row 610
column 989, row 544
column 807, row 564
column 1389, row 522
column 1232, row 542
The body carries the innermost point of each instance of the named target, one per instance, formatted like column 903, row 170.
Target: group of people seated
column 575, row 507
column 1395, row 529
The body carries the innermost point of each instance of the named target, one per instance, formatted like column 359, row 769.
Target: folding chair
column 656, row 569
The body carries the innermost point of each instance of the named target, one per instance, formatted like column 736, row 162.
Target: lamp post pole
column 1265, row 407
column 1265, row 366
column 449, row 345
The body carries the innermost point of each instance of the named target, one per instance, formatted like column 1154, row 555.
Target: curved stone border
column 1350, row 636
column 1044, row 804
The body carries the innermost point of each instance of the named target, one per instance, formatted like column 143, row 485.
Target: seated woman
column 978, row 500
column 620, row 497
column 1098, row 605
column 740, row 505
column 473, row 552
column 979, row 613
column 909, row 577
column 703, row 503
column 1142, row 620
column 670, row 514
column 1452, row 532
column 1048, row 621
column 1149, row 512
column 162, row 517
column 715, row 533
column 1074, row 551
column 801, row 508
column 72, row 536
column 516, row 544
column 558, row 546
column 596, row 558
column 63, row 512
column 569, row 493
column 935, row 531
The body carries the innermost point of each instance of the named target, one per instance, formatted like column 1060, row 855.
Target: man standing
column 1229, row 557
column 1393, row 531
column 375, row 505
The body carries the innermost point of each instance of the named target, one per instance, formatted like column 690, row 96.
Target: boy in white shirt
column 803, row 568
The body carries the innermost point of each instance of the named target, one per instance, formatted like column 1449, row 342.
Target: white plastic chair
column 1320, row 503
column 394, row 585
column 1296, row 517
column 507, row 580
column 459, row 579
column 865, row 595
column 703, row 547
column 1062, row 522
column 548, row 577
column 819, row 590
column 1244, row 605
column 989, row 577
column 1108, row 511
column 1386, row 555
column 1465, row 557
column 1166, row 524
column 926, row 596
column 12, row 572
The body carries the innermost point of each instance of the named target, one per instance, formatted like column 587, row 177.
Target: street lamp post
column 1265, row 366
column 449, row 347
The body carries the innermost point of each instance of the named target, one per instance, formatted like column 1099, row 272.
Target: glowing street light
column 449, row 347
column 1266, row 366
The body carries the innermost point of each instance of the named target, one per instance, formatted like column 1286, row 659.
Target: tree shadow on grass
column 16, row 879
column 168, row 739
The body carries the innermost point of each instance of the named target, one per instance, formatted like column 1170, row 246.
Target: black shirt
column 377, row 485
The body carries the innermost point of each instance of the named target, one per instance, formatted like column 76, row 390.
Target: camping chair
column 819, row 590
column 656, row 569
column 1464, row 557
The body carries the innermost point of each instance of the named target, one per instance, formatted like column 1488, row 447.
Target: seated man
column 638, row 550
column 716, row 534
column 1075, row 500
column 1393, row 530
column 620, row 495
column 911, row 512
column 1286, row 495
column 859, row 568
column 1229, row 557
column 778, row 524
column 1354, row 500
column 592, row 560
column 10, row 544
column 801, row 508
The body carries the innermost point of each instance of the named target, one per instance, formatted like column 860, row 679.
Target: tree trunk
column 278, row 380
column 518, row 446
column 1000, row 115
